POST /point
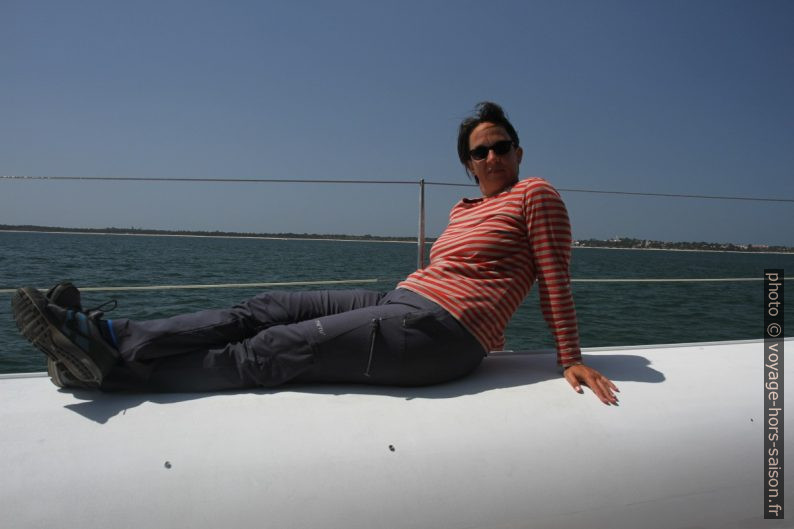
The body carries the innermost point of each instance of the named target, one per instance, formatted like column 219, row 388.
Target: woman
column 436, row 326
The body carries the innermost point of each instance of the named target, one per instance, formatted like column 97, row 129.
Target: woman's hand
column 601, row 385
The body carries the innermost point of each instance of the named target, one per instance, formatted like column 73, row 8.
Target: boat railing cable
column 370, row 281
column 421, row 183
column 215, row 285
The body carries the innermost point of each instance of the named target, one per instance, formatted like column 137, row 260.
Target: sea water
column 610, row 314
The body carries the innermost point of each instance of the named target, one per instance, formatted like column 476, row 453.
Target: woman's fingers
column 598, row 383
column 572, row 379
column 606, row 394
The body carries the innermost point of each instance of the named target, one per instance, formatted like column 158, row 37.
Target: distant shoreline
column 341, row 238
column 753, row 252
column 206, row 234
column 218, row 236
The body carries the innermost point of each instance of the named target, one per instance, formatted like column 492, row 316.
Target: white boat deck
column 512, row 446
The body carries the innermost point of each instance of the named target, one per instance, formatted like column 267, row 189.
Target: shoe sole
column 52, row 371
column 29, row 308
column 60, row 377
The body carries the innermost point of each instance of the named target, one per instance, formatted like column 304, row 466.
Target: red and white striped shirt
column 484, row 264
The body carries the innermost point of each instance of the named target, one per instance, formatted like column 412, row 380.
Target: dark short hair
column 485, row 112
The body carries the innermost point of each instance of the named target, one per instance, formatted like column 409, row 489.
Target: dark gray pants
column 395, row 338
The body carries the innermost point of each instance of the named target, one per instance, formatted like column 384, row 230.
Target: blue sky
column 666, row 97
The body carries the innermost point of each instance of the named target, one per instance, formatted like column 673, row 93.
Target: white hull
column 510, row 447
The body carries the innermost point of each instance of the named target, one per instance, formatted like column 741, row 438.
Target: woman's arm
column 549, row 233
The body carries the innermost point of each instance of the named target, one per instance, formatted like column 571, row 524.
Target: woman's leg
column 142, row 341
column 403, row 340
column 416, row 343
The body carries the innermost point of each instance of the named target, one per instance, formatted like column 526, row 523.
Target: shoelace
column 100, row 309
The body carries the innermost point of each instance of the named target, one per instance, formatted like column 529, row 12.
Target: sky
column 680, row 97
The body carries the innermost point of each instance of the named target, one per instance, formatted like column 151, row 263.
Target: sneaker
column 64, row 335
column 62, row 378
column 66, row 295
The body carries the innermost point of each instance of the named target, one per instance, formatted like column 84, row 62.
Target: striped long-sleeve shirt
column 494, row 248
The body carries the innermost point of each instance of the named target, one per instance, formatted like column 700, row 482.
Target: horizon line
column 156, row 232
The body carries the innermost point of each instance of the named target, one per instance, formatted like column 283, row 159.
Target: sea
column 609, row 313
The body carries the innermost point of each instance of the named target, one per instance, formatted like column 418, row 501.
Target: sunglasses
column 499, row 148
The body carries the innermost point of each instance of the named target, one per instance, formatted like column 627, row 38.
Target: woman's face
column 496, row 172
